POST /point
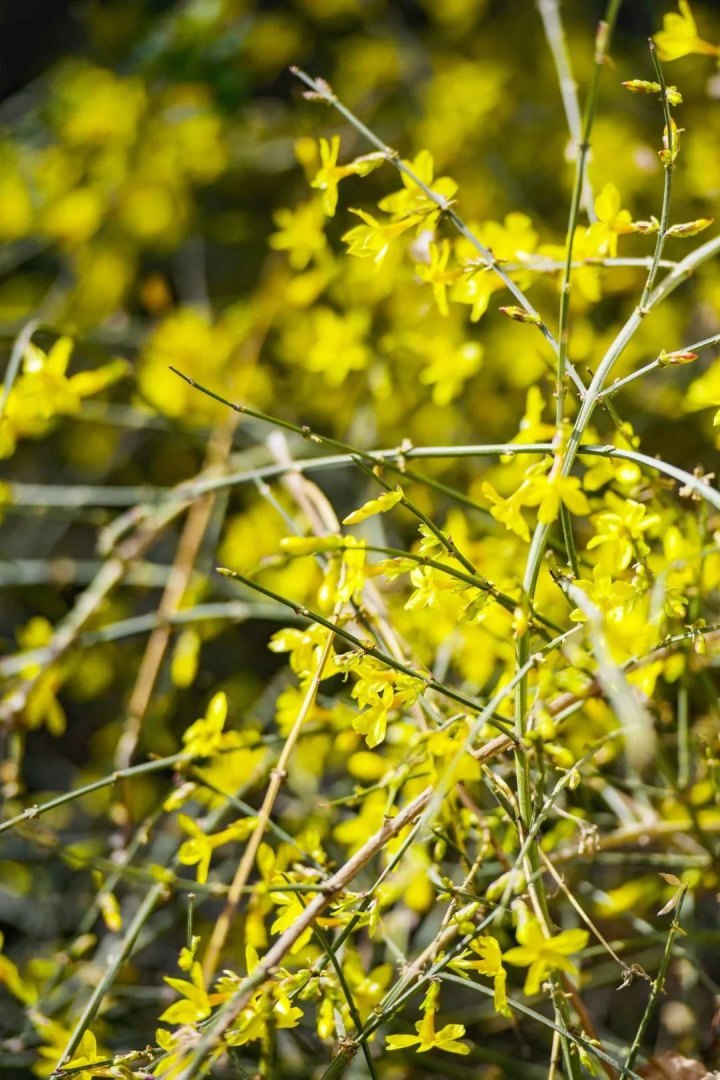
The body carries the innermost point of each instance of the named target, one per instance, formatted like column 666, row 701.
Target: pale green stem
column 602, row 43
column 657, row 363
column 236, row 611
column 16, row 356
column 366, row 647
column 97, row 785
column 113, row 964
column 557, row 40
column 657, row 988
column 322, row 91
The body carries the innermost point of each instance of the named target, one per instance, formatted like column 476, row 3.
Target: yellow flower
column 532, row 428
column 620, row 529
column 74, row 217
column 474, row 288
column 613, row 598
column 11, row 978
column 612, row 221
column 200, row 847
column 206, row 737
column 543, row 954
column 355, row 830
column 291, row 908
column 188, row 340
column 54, row 1040
column 428, row 1038
column 437, row 273
column 43, row 391
column 196, row 1003
column 16, row 209
column 93, row 107
column 384, row 502
column 411, row 204
column 372, row 240
column 679, row 36
column 367, row 989
column 490, row 964
column 300, row 233
column 507, row 511
column 372, row 723
column 447, row 372
column 330, row 173
column 339, row 345
column 547, row 492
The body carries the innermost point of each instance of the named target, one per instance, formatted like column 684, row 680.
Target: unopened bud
column 690, row 228
column 645, row 227
column 520, row 315
column 642, row 86
column 676, row 358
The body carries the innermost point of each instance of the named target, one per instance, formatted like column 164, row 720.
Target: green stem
column 602, row 42
column 669, row 165
column 569, row 540
column 115, row 962
column 16, row 356
column 366, row 647
column 331, row 954
column 557, row 40
column 322, row 91
column 97, row 785
column 393, row 457
column 657, row 988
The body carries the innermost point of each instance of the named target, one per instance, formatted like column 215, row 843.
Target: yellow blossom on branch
column 620, row 530
column 490, row 964
column 330, row 173
column 43, row 391
column 381, row 505
column 612, row 220
column 195, row 1003
column 200, row 847
column 372, row 239
column 507, row 511
column 437, row 273
column 300, row 233
column 428, row 1038
column 679, row 36
column 543, row 955
column 547, row 492
column 413, row 205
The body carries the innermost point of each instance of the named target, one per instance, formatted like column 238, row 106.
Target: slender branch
column 107, row 781
column 359, row 457
column 115, row 962
column 669, row 167
column 332, row 887
column 278, row 774
column 657, row 987
column 191, row 538
column 110, row 575
column 557, row 40
column 236, row 611
column 602, row 44
column 321, row 89
column 654, row 364
column 365, row 647
column 16, row 357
